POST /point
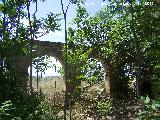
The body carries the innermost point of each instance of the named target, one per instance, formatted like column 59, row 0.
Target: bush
column 150, row 109
column 7, row 111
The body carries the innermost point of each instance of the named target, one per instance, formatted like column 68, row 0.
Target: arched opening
column 130, row 74
column 47, row 78
column 93, row 85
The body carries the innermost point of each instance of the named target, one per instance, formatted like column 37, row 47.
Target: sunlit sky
column 49, row 6
column 54, row 6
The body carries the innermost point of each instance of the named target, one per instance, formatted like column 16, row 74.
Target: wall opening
column 48, row 79
column 94, row 82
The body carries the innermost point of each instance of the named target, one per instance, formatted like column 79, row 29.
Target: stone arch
column 100, row 86
column 107, row 76
column 55, row 49
column 49, row 48
column 108, row 67
column 40, row 48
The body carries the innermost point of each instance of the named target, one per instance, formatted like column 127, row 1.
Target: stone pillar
column 107, row 84
column 22, row 64
column 72, row 85
column 111, row 81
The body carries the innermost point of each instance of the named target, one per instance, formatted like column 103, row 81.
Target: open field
column 93, row 105
column 53, row 87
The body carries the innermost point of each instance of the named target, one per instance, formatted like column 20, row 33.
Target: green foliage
column 42, row 63
column 150, row 109
column 15, row 43
column 103, row 107
column 120, row 35
column 7, row 111
column 93, row 72
column 51, row 23
column 156, row 82
column 124, row 36
column 45, row 112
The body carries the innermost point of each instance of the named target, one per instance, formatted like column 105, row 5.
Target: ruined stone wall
column 55, row 49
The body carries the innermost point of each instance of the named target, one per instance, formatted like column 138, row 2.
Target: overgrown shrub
column 150, row 109
column 7, row 111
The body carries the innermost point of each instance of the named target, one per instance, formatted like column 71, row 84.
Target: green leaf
column 157, row 104
column 157, row 66
column 147, row 100
column 153, row 107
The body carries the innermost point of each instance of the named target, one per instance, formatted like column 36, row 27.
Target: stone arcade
column 55, row 49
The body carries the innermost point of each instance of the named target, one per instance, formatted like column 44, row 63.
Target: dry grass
column 53, row 88
column 52, row 85
column 86, row 108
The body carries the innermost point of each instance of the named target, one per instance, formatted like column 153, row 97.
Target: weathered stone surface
column 55, row 49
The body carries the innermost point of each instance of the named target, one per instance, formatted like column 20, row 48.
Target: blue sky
column 54, row 6
column 49, row 6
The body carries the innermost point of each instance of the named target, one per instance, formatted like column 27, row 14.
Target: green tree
column 120, row 35
column 14, row 42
